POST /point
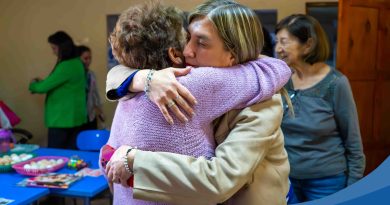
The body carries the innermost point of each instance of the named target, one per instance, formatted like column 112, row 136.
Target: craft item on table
column 7, row 160
column 51, row 180
column 89, row 172
column 4, row 201
column 40, row 165
column 24, row 148
column 76, row 163
column 14, row 158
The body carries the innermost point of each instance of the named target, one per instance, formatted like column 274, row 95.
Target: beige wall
column 24, row 52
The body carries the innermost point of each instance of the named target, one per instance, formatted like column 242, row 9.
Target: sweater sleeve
column 180, row 179
column 219, row 90
column 347, row 120
column 115, row 78
column 59, row 76
column 119, row 74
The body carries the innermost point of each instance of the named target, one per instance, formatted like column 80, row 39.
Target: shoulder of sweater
column 339, row 78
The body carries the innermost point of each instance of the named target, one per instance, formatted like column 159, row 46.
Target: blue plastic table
column 21, row 195
column 85, row 188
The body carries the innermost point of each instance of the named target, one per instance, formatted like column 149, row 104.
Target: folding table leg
column 87, row 201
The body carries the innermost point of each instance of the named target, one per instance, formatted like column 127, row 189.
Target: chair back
column 21, row 136
column 92, row 140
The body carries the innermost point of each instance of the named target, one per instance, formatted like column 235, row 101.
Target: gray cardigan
column 323, row 139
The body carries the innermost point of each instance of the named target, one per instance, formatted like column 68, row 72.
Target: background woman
column 65, row 105
column 323, row 139
column 94, row 105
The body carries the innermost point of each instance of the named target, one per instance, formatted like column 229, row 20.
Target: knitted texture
column 138, row 122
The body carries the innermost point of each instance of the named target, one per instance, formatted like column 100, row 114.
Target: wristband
column 147, row 82
column 125, row 162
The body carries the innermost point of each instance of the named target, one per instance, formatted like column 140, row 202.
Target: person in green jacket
column 65, row 87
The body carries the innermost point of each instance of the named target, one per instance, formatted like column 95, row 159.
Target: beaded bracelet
column 148, row 81
column 125, row 162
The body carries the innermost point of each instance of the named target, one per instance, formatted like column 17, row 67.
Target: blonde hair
column 239, row 28
column 237, row 25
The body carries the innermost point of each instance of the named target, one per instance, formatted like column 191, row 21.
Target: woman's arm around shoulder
column 262, row 78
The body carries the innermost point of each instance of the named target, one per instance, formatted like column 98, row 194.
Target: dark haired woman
column 323, row 139
column 65, row 105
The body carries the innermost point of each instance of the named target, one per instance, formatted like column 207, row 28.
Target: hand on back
column 168, row 94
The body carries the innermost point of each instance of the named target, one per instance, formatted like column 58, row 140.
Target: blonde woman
column 252, row 156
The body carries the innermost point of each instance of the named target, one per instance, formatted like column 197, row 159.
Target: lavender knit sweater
column 138, row 122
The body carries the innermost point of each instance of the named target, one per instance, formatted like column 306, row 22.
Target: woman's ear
column 308, row 46
column 176, row 57
column 232, row 60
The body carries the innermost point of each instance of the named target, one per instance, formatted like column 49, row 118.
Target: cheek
column 204, row 58
column 217, row 59
column 287, row 52
column 226, row 58
column 292, row 53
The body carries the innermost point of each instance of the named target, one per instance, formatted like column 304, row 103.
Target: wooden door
column 363, row 55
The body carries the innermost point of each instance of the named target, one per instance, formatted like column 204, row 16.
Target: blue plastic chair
column 92, row 140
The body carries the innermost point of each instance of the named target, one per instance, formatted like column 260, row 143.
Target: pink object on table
column 19, row 167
